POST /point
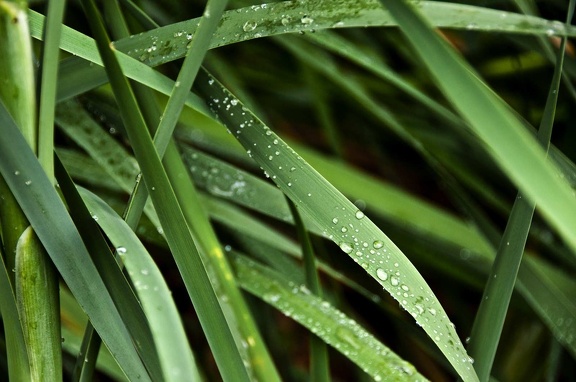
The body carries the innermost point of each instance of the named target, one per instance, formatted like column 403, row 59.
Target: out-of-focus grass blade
column 74, row 321
column 340, row 220
column 169, row 212
column 73, row 119
column 47, row 214
column 17, row 357
column 325, row 321
column 319, row 364
column 176, row 357
column 551, row 294
column 512, row 147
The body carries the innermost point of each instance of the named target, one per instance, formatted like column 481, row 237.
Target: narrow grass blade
column 340, row 220
column 170, row 340
column 523, row 161
column 173, row 222
column 47, row 215
column 319, row 364
column 48, row 80
column 325, row 321
column 492, row 311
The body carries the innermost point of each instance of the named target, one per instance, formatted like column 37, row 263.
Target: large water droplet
column 381, row 273
column 359, row 214
column 347, row 248
column 249, row 26
column 378, row 244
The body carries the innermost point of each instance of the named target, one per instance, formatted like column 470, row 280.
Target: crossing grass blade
column 340, row 221
column 170, row 214
column 47, row 215
column 511, row 146
column 170, row 341
column 325, row 321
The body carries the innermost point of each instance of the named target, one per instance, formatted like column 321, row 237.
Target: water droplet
column 306, row 20
column 359, row 214
column 28, row 182
column 381, row 273
column 16, row 172
column 378, row 244
column 249, row 26
column 432, row 311
column 347, row 248
column 394, row 281
column 335, row 220
column 121, row 250
column 144, row 272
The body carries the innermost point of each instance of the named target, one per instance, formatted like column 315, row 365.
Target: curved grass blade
column 340, row 220
column 175, row 355
column 511, row 146
column 171, row 42
column 47, row 214
column 325, row 321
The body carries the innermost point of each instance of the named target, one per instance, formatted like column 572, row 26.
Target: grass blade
column 169, row 336
column 330, row 324
column 331, row 211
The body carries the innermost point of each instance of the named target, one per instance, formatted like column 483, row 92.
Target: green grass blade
column 325, row 321
column 54, row 227
column 514, row 149
column 170, row 214
column 340, row 220
column 37, row 298
column 321, row 15
column 172, row 346
column 319, row 364
column 48, row 80
column 489, row 320
column 18, row 88
column 16, row 354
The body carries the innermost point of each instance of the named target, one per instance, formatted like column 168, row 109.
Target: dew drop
column 378, row 244
column 121, row 250
column 394, row 281
column 381, row 273
column 359, row 214
column 335, row 220
column 347, row 248
column 249, row 26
